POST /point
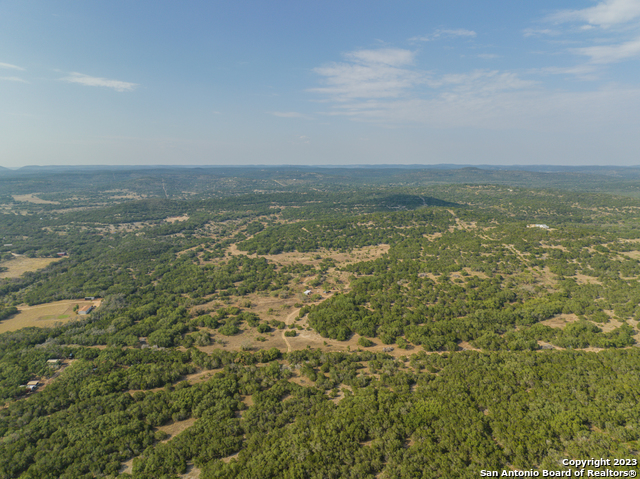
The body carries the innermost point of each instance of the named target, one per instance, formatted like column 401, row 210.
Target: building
column 33, row 385
column 54, row 362
column 544, row 227
column 307, row 292
column 86, row 309
column 89, row 298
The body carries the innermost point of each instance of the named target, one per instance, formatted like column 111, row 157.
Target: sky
column 319, row 82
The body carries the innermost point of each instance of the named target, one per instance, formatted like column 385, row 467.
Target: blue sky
column 295, row 82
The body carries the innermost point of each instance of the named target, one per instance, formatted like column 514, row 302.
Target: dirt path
column 292, row 316
column 286, row 340
column 289, row 320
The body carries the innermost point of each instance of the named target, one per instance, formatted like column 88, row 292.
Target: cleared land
column 21, row 264
column 176, row 427
column 173, row 219
column 366, row 253
column 34, row 199
column 45, row 315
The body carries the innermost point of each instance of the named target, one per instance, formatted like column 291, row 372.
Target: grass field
column 21, row 264
column 44, row 315
column 34, row 199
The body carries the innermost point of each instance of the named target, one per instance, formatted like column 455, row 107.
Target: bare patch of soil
column 173, row 219
column 632, row 254
column 365, row 253
column 176, row 427
column 583, row 279
column 465, row 346
column 127, row 467
column 611, row 325
column 200, row 376
column 301, row 381
column 228, row 458
column 560, row 321
column 192, row 472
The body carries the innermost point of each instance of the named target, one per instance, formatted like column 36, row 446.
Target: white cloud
column 460, row 32
column 386, row 56
column 613, row 20
column 369, row 74
column 16, row 79
column 531, row 109
column 605, row 14
column 10, row 66
column 481, row 81
column 602, row 54
column 384, row 86
column 87, row 80
column 445, row 33
column 532, row 32
column 583, row 72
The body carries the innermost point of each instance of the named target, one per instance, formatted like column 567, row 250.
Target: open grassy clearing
column 176, row 428
column 366, row 253
column 531, row 279
column 173, row 219
column 19, row 265
column 560, row 321
column 45, row 315
column 32, row 198
column 283, row 309
column 192, row 472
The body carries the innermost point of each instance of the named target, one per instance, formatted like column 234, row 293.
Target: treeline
column 7, row 312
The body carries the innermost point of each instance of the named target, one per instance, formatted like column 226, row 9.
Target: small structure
column 86, row 309
column 89, row 298
column 544, row 227
column 307, row 292
column 33, row 385
column 54, row 362
column 62, row 253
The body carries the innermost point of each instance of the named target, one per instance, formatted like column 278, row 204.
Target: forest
column 316, row 323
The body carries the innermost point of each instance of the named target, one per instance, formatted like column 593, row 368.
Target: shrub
column 364, row 342
column 264, row 328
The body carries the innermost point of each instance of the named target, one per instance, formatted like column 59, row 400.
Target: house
column 33, row 385
column 307, row 292
column 89, row 298
column 62, row 253
column 86, row 309
column 544, row 227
